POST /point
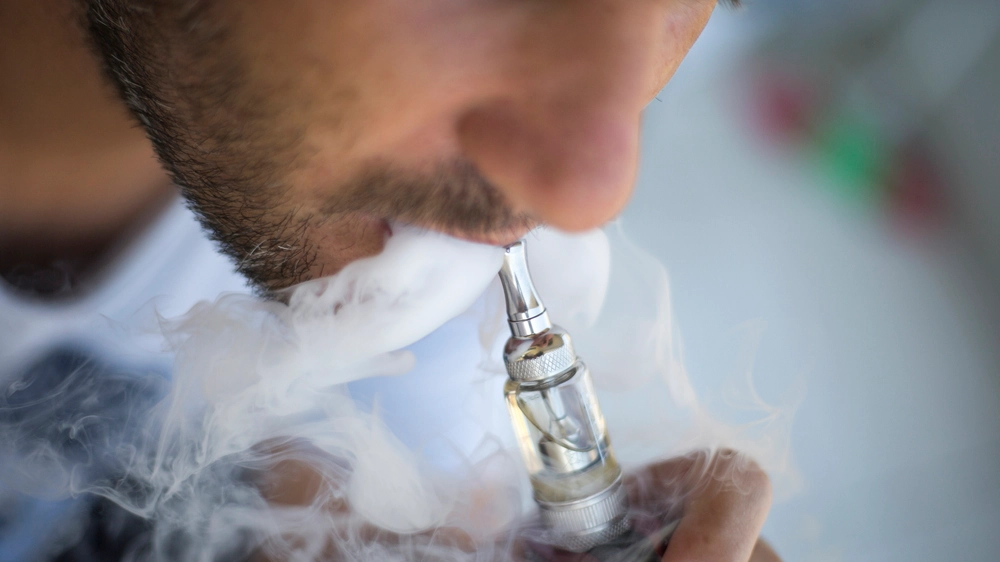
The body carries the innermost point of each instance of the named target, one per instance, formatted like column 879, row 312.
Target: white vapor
column 260, row 447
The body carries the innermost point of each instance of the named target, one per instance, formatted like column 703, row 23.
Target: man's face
column 302, row 129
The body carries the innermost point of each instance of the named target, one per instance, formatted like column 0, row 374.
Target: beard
column 275, row 249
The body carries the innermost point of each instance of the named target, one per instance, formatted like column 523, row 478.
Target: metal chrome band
column 584, row 524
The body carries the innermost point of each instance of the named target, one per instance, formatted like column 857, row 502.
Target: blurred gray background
column 822, row 181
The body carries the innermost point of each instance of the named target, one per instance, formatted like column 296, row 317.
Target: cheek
column 409, row 72
column 357, row 81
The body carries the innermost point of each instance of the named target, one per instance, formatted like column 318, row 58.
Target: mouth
column 498, row 237
column 505, row 237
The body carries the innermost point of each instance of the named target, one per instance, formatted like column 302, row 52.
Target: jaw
column 337, row 241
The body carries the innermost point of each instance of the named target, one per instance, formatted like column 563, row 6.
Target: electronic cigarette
column 560, row 429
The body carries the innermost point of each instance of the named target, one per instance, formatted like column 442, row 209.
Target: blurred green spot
column 852, row 151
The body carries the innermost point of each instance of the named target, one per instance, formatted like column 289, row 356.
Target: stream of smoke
column 260, row 445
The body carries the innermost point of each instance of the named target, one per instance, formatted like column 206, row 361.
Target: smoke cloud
column 260, row 445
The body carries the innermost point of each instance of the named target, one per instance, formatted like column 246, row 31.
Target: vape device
column 560, row 429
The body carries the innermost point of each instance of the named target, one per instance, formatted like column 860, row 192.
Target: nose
column 561, row 139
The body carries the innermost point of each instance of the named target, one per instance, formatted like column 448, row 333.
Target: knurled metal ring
column 543, row 366
column 584, row 525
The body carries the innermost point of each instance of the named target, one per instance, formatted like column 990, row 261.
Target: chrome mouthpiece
column 525, row 312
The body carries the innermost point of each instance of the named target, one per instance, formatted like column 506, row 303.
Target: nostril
column 572, row 168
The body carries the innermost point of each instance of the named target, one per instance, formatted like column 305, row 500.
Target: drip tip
column 526, row 314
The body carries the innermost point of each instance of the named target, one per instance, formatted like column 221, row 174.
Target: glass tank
column 562, row 435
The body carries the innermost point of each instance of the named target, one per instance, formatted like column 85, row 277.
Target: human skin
column 302, row 130
column 477, row 117
column 76, row 173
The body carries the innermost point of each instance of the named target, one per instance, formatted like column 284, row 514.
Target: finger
column 724, row 514
column 528, row 551
column 451, row 538
column 763, row 552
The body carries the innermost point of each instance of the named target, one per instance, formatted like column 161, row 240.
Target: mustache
column 454, row 197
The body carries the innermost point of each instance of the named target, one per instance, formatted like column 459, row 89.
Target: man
column 298, row 130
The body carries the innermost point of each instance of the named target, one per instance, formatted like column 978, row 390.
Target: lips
column 502, row 237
